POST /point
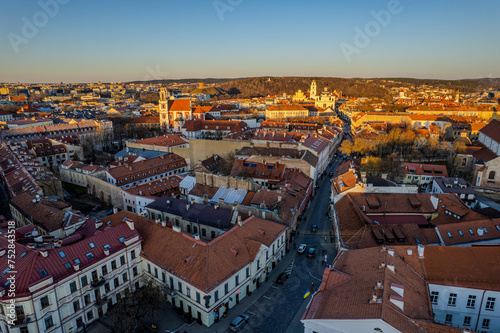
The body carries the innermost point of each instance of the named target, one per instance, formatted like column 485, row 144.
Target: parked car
column 314, row 228
column 310, row 252
column 238, row 322
column 97, row 207
column 302, row 248
column 282, row 277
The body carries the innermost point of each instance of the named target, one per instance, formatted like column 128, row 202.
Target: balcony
column 99, row 282
column 100, row 300
column 23, row 320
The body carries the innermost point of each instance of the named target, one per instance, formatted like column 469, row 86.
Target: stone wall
column 105, row 192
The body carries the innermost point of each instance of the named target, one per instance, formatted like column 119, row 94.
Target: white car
column 302, row 248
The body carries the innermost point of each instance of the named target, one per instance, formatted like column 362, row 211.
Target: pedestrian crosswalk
column 288, row 270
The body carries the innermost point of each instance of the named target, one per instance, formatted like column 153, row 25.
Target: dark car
column 238, row 322
column 310, row 252
column 282, row 277
column 330, row 174
column 314, row 228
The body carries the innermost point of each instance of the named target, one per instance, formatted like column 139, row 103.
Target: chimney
column 420, row 251
column 379, row 284
column 115, row 209
column 480, row 231
column 76, row 267
column 188, row 205
column 216, row 206
column 192, row 201
column 197, row 237
column 384, row 176
column 176, row 228
column 279, row 198
column 44, row 253
column 163, row 223
column 106, row 252
column 409, row 251
column 239, row 221
column 374, row 298
column 130, row 224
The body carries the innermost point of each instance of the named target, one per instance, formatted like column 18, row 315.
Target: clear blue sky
column 108, row 40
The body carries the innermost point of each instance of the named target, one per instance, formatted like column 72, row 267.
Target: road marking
column 266, row 297
column 275, row 287
column 314, row 277
column 253, row 314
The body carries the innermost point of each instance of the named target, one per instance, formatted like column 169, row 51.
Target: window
column 132, row 254
column 86, row 299
column 107, row 247
column 113, row 264
column 104, row 270
column 491, row 175
column 62, row 254
column 486, row 323
column 248, row 271
column 467, row 320
column 188, row 292
column 490, row 303
column 203, row 232
column 67, row 265
column 72, row 287
column 216, row 296
column 92, row 245
column 464, row 162
column 125, row 277
column 84, row 280
column 90, row 315
column 122, row 239
column 149, row 268
column 90, row 255
column 156, row 272
column 198, row 297
column 107, row 289
column 471, row 302
column 122, row 260
column 76, row 306
column 116, row 282
column 237, row 280
column 134, row 271
column 179, row 286
column 77, row 261
column 171, row 283
column 226, row 288
column 452, row 300
column 44, row 301
column 448, row 318
column 434, row 297
column 49, row 322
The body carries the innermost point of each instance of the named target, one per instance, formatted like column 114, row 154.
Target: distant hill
column 355, row 87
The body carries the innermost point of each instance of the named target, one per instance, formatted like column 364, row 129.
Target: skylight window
column 107, row 247
column 460, row 233
column 471, row 232
column 92, row 245
column 67, row 265
column 90, row 255
column 62, row 254
column 23, row 254
column 77, row 261
column 449, row 234
column 43, row 273
column 122, row 239
column 6, row 270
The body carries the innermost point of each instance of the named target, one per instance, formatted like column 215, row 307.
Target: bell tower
column 312, row 91
column 163, row 108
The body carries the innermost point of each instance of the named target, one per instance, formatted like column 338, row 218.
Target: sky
column 107, row 40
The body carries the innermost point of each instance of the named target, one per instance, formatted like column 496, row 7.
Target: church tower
column 457, row 97
column 313, row 90
column 163, row 108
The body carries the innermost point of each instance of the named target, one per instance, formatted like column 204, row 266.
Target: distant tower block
column 163, row 108
column 457, row 97
column 401, row 93
column 313, row 89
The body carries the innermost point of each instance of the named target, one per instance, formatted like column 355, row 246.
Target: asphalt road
column 281, row 307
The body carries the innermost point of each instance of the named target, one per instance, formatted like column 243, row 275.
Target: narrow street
column 281, row 307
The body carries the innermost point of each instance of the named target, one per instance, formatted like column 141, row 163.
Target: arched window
column 491, row 175
column 464, row 162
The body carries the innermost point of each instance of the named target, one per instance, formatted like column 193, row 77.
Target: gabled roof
column 492, row 130
column 179, row 105
column 204, row 265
